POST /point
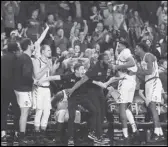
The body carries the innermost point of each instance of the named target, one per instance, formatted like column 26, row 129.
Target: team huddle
column 83, row 86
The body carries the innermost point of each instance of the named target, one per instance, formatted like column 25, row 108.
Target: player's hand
column 69, row 92
column 56, row 65
column 147, row 102
column 47, row 26
column 37, row 82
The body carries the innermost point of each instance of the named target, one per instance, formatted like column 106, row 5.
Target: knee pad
column 77, row 117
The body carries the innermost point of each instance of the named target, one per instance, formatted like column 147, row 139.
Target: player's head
column 46, row 51
column 77, row 48
column 104, row 58
column 27, row 45
column 79, row 69
column 13, row 47
column 122, row 45
column 141, row 48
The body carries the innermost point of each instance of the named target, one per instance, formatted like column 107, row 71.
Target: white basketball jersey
column 122, row 57
column 155, row 72
column 42, row 65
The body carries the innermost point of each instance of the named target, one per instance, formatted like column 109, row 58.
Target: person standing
column 97, row 73
column 42, row 68
column 7, row 93
column 125, row 66
column 153, row 86
column 23, row 83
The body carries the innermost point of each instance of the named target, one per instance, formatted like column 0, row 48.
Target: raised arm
column 72, row 33
column 85, row 29
column 43, row 35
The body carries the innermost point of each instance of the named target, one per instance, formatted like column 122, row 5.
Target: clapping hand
column 56, row 65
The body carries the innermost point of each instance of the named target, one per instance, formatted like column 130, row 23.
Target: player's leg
column 123, row 89
column 25, row 102
column 38, row 100
column 153, row 92
column 72, row 105
column 16, row 112
column 5, row 100
column 87, row 104
column 61, row 117
column 129, row 114
column 46, row 107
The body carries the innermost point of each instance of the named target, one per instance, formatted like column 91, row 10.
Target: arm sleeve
column 65, row 77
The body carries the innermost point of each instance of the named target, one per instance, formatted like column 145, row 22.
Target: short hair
column 143, row 46
column 25, row 43
column 13, row 47
column 77, row 66
column 124, row 42
column 43, row 47
column 102, row 55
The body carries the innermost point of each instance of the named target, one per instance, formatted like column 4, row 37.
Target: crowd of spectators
column 83, row 25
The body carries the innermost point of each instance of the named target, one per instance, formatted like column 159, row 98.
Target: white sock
column 157, row 131
column 131, row 120
column 3, row 133
column 125, row 132
column 160, row 131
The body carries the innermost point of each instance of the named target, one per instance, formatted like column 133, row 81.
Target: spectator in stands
column 10, row 10
column 137, row 23
column 33, row 29
column 162, row 13
column 60, row 40
column 82, row 42
column 95, row 18
column 67, row 26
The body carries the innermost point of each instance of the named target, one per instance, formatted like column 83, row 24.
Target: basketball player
column 125, row 65
column 42, row 67
column 62, row 114
column 153, row 86
column 23, row 83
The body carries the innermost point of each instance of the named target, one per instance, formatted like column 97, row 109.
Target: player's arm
column 149, row 60
column 112, row 80
column 38, row 73
column 43, row 35
column 100, row 84
column 129, row 63
column 78, row 84
column 47, row 79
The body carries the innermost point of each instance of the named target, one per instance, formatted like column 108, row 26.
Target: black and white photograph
column 84, row 73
